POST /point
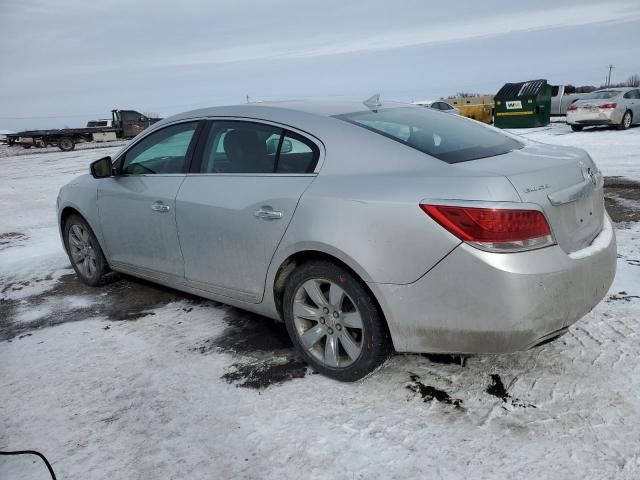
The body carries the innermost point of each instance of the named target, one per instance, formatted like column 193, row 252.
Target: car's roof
column 322, row 108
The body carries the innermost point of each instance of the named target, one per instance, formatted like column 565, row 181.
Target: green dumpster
column 523, row 105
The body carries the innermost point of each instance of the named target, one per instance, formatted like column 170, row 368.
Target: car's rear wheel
column 626, row 121
column 577, row 128
column 87, row 258
column 334, row 322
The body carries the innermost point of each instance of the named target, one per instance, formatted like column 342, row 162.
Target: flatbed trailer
column 124, row 124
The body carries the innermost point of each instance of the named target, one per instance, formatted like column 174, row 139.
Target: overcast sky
column 64, row 62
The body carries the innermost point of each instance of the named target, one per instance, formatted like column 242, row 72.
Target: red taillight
column 494, row 229
column 572, row 107
column 608, row 106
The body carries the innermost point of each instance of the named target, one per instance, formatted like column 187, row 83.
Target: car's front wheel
column 627, row 119
column 84, row 251
column 577, row 128
column 334, row 322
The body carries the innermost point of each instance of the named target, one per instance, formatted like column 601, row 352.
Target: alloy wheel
column 328, row 323
column 82, row 252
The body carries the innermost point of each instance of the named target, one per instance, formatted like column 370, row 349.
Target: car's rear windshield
column 446, row 137
column 602, row 95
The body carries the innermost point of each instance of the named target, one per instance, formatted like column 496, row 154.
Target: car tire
column 627, row 120
column 577, row 128
column 66, row 144
column 334, row 322
column 84, row 251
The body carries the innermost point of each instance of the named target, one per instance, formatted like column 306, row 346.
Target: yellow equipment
column 478, row 108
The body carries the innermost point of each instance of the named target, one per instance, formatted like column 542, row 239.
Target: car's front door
column 137, row 206
column 234, row 207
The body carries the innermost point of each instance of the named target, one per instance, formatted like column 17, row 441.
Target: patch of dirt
column 621, row 197
column 123, row 300
column 267, row 356
column 262, row 374
column 497, row 389
column 249, row 333
column 621, row 296
column 429, row 393
column 11, row 239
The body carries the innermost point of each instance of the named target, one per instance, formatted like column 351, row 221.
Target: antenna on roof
column 247, row 97
column 373, row 102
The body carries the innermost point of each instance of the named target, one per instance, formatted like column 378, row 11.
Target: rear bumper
column 601, row 117
column 482, row 302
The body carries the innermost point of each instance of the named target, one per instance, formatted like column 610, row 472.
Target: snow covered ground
column 137, row 381
column 615, row 152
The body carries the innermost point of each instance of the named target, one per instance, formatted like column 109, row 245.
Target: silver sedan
column 619, row 107
column 439, row 105
column 365, row 228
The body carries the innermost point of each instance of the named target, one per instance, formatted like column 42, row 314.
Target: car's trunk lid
column 564, row 182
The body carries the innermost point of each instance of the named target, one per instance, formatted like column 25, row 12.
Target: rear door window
column 256, row 148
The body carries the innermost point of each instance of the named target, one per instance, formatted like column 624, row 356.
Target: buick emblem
column 590, row 174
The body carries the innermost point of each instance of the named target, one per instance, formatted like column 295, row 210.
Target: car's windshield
column 447, row 137
column 602, row 95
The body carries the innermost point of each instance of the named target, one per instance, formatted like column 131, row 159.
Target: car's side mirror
column 102, row 168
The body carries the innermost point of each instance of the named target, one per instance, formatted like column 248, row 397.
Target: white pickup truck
column 561, row 99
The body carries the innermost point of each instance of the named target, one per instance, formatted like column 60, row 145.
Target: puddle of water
column 70, row 300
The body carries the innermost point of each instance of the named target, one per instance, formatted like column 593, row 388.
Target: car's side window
column 436, row 105
column 162, row 152
column 240, row 147
column 249, row 147
column 297, row 155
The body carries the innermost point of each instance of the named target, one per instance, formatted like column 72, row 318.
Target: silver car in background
column 365, row 228
column 619, row 107
column 438, row 105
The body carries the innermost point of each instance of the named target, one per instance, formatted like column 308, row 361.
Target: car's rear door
column 137, row 206
column 236, row 203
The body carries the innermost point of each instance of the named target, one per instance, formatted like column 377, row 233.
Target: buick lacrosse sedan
column 366, row 229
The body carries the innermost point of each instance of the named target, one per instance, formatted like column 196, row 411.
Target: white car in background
column 438, row 105
column 612, row 106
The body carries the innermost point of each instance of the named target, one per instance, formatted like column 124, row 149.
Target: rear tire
column 83, row 249
column 577, row 128
column 334, row 322
column 627, row 120
column 66, row 144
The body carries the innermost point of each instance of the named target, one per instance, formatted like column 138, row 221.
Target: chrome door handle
column 267, row 213
column 160, row 207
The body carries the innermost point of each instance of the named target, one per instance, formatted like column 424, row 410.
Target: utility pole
column 611, row 67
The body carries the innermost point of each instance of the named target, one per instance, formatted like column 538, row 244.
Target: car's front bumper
column 595, row 117
column 481, row 302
